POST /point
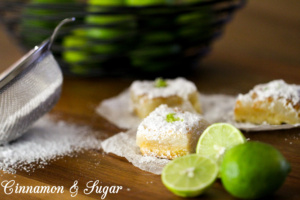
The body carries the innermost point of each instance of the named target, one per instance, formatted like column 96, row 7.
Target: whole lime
column 106, row 2
column 52, row 1
column 253, row 170
column 37, row 20
column 102, row 6
column 75, row 49
column 145, row 2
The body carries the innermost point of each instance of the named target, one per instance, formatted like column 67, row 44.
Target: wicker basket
column 164, row 40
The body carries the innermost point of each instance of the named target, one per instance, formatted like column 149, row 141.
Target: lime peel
column 253, row 170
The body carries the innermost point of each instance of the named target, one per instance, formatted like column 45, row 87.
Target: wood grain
column 262, row 43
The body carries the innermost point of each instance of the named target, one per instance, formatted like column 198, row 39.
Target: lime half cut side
column 216, row 139
column 190, row 175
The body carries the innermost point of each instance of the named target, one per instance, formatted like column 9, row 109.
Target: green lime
column 200, row 18
column 81, row 32
column 80, row 70
column 155, row 51
column 190, row 175
column 75, row 49
column 106, row 2
column 100, row 6
column 157, row 36
column 110, row 19
column 147, row 65
column 36, row 22
column 216, row 139
column 105, row 49
column 188, row 1
column 73, row 56
column 74, row 41
column 145, row 2
column 103, row 33
column 253, row 170
column 144, row 57
column 52, row 1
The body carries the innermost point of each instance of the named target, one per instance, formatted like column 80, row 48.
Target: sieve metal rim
column 23, row 63
column 32, row 56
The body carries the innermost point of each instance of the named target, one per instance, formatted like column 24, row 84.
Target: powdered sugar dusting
column 118, row 110
column 45, row 141
column 216, row 108
column 179, row 87
column 156, row 123
column 124, row 144
column 277, row 89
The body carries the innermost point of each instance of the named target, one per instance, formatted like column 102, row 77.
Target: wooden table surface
column 262, row 43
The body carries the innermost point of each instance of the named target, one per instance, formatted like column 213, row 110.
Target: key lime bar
column 148, row 95
column 170, row 132
column 274, row 103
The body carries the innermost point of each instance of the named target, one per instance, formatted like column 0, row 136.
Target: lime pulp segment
column 216, row 139
column 190, row 175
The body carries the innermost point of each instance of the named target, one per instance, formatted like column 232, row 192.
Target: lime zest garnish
column 160, row 82
column 170, row 118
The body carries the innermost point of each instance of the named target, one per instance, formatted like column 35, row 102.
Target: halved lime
column 216, row 139
column 190, row 175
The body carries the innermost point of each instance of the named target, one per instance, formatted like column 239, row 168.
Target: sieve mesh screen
column 29, row 96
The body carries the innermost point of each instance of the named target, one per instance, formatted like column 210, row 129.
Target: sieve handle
column 35, row 54
column 54, row 34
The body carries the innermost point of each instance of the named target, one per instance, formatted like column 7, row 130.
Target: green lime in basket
column 36, row 23
column 122, row 25
column 75, row 49
column 195, row 26
column 144, row 57
column 106, row 2
column 145, row 2
column 216, row 139
column 253, row 170
column 104, row 6
column 52, row 1
column 102, row 33
column 190, row 175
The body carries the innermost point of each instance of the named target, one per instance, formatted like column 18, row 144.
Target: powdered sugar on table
column 45, row 141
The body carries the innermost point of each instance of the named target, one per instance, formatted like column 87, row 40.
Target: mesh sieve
column 29, row 89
